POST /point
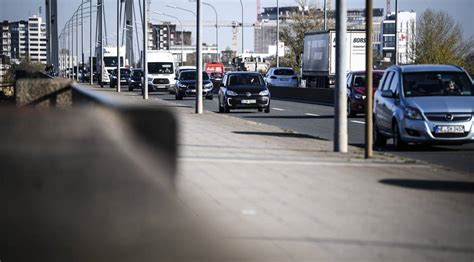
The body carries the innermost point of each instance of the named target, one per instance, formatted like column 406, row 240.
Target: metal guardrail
column 314, row 95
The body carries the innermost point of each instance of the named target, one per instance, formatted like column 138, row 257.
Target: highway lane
column 318, row 121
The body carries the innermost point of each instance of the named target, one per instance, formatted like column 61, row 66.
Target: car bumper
column 159, row 87
column 293, row 83
column 251, row 102
column 192, row 92
column 358, row 105
column 422, row 131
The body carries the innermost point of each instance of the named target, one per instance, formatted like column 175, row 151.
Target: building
column 265, row 30
column 356, row 20
column 5, row 38
column 406, row 37
column 166, row 35
column 37, row 50
column 4, row 66
column 19, row 43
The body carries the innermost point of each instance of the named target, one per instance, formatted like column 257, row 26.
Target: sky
column 228, row 11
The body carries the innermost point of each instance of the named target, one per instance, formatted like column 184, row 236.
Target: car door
column 380, row 104
column 222, row 88
column 390, row 103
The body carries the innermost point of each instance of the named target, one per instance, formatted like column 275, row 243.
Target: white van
column 161, row 66
column 110, row 62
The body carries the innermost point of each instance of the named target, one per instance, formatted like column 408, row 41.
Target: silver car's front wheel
column 397, row 140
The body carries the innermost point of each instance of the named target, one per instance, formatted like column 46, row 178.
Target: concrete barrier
column 315, row 95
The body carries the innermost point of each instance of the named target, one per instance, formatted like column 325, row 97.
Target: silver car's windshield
column 437, row 84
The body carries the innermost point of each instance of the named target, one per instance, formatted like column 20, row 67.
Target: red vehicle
column 356, row 94
column 214, row 67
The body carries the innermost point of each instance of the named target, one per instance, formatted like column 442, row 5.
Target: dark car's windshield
column 437, row 84
column 137, row 73
column 112, row 61
column 359, row 80
column 160, row 68
column 284, row 72
column 245, row 80
column 191, row 75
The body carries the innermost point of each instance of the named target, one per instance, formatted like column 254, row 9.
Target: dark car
column 356, row 94
column 135, row 80
column 124, row 75
column 246, row 90
column 216, row 79
column 186, row 85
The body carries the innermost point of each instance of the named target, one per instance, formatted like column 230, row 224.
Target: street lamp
column 182, row 31
column 278, row 35
column 242, row 6
column 180, row 8
column 217, row 28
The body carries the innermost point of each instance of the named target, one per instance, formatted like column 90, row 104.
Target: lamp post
column 145, row 50
column 217, row 30
column 278, row 36
column 118, row 45
column 182, row 32
column 242, row 7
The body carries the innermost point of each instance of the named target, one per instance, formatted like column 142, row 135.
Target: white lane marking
column 301, row 163
column 358, row 122
column 249, row 212
column 309, row 114
column 278, row 109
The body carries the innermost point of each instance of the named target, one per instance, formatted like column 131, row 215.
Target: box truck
column 319, row 56
column 110, row 62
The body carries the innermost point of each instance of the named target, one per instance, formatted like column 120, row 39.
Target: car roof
column 426, row 68
column 282, row 68
column 363, row 72
column 243, row 72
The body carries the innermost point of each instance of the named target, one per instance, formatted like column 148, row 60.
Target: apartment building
column 37, row 49
column 5, row 38
column 19, row 40
column 406, row 37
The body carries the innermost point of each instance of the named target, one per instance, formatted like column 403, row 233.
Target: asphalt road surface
column 318, row 121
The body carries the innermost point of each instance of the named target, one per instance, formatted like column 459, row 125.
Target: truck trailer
column 319, row 56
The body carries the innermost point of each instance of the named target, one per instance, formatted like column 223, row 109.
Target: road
column 318, row 121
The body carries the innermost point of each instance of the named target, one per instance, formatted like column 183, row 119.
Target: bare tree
column 440, row 41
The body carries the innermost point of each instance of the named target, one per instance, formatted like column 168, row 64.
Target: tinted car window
column 284, row 72
column 359, row 79
column 160, row 68
column 437, row 84
column 191, row 75
column 245, row 80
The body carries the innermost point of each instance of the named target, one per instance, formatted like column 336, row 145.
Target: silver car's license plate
column 449, row 129
column 248, row 101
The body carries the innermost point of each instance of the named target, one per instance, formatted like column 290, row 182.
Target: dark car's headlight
column 413, row 113
column 231, row 93
column 264, row 93
column 359, row 96
column 181, row 85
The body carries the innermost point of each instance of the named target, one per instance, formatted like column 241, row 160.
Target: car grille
column 447, row 117
column 450, row 135
column 161, row 81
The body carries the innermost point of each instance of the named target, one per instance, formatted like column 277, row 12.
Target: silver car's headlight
column 207, row 86
column 230, row 93
column 264, row 93
column 413, row 113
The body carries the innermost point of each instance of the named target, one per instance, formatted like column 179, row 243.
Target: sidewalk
column 289, row 196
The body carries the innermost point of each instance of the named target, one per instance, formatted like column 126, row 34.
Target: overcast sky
column 230, row 10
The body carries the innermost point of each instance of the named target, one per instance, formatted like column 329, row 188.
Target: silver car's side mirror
column 388, row 94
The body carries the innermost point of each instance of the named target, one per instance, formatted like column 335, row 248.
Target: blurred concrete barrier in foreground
column 93, row 181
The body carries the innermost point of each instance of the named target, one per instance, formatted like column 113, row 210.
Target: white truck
column 161, row 70
column 110, row 62
column 319, row 56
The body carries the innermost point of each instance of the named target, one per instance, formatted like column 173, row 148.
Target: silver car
column 281, row 76
column 424, row 104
